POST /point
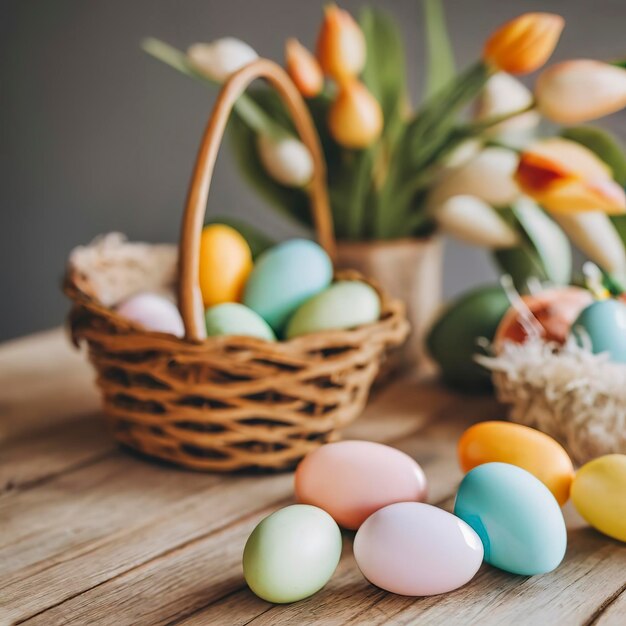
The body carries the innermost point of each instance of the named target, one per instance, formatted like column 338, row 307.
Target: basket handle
column 189, row 295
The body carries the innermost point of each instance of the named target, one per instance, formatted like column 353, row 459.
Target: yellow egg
column 599, row 494
column 225, row 263
column 519, row 445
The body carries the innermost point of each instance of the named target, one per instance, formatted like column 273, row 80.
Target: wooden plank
column 44, row 382
column 199, row 560
column 27, row 463
column 613, row 612
column 90, row 537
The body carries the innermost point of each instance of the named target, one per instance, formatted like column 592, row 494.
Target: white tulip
column 504, row 94
column 488, row 176
column 221, row 58
column 580, row 90
column 594, row 234
column 475, row 222
column 287, row 160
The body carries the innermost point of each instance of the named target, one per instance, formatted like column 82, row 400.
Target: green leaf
column 544, row 253
column 384, row 72
column 547, row 239
column 619, row 221
column 441, row 66
column 604, row 145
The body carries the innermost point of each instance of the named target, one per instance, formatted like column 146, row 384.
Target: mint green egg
column 231, row 318
column 345, row 304
column 292, row 553
column 516, row 516
column 284, row 277
column 603, row 325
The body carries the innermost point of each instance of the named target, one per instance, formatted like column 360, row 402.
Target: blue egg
column 284, row 277
column 516, row 516
column 603, row 324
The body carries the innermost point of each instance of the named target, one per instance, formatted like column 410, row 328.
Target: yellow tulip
column 303, row 68
column 355, row 119
column 564, row 176
column 525, row 43
column 341, row 46
column 578, row 91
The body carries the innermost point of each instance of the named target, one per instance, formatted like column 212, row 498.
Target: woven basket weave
column 220, row 403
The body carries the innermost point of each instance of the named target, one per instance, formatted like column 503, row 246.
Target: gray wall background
column 95, row 136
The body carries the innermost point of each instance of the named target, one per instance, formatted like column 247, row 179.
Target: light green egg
column 231, row 318
column 345, row 304
column 292, row 553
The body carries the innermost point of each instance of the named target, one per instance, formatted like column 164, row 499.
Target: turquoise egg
column 345, row 304
column 603, row 324
column 516, row 516
column 284, row 277
column 292, row 553
column 231, row 318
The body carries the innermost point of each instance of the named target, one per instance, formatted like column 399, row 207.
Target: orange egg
column 519, row 445
column 555, row 310
column 225, row 263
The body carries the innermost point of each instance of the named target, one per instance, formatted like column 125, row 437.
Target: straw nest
column 577, row 397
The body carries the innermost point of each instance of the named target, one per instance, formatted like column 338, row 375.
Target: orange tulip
column 524, row 44
column 303, row 68
column 578, row 91
column 355, row 119
column 566, row 177
column 340, row 45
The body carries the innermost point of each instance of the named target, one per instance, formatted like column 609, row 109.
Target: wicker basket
column 577, row 397
column 222, row 403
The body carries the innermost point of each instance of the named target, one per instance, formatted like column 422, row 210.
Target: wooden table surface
column 90, row 534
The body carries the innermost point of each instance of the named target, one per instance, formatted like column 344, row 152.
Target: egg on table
column 345, row 304
column 415, row 549
column 519, row 445
column 599, row 494
column 232, row 318
column 353, row 479
column 292, row 553
column 153, row 312
column 516, row 516
column 225, row 263
column 284, row 277
column 603, row 325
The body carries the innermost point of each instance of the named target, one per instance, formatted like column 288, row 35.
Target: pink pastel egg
column 415, row 549
column 153, row 312
column 352, row 479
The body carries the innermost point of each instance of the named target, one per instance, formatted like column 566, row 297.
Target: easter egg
column 599, row 494
column 554, row 309
column 285, row 277
column 345, row 304
column 153, row 312
column 603, row 325
column 225, row 263
column 292, row 553
column 519, row 445
column 231, row 318
column 352, row 479
column 415, row 549
column 452, row 341
column 515, row 515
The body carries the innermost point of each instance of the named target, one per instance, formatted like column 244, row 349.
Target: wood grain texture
column 92, row 534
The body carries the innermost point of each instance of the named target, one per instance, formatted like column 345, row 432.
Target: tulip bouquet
column 469, row 160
